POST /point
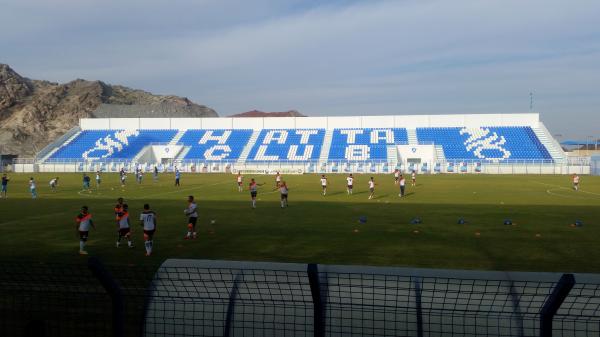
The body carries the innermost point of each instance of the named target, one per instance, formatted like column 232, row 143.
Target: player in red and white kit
column 253, row 187
column 324, row 184
column 350, row 182
column 123, row 228
column 575, row 182
column 83, row 224
column 118, row 210
column 240, row 182
column 148, row 222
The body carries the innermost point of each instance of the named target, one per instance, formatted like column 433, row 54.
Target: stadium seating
column 339, row 149
column 486, row 143
column 115, row 144
column 289, row 145
column 215, row 144
column 364, row 144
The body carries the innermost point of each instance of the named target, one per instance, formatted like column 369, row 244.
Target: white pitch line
column 89, row 194
column 565, row 188
column 549, row 191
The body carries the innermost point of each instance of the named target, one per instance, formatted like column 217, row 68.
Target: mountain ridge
column 258, row 113
column 35, row 112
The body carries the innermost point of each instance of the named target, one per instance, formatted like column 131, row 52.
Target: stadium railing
column 57, row 143
column 225, row 298
column 571, row 161
column 580, row 165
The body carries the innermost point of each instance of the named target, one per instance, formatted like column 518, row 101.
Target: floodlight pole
column 531, row 101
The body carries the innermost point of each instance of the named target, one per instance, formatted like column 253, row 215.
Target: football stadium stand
column 485, row 143
column 213, row 144
column 293, row 145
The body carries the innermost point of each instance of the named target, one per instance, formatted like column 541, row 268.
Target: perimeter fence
column 221, row 298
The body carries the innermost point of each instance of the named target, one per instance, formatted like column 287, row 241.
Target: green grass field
column 320, row 229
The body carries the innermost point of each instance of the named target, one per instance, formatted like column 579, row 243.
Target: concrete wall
column 400, row 121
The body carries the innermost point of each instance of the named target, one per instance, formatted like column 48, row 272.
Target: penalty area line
column 581, row 197
column 557, row 187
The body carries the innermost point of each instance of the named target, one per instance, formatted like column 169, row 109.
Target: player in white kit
column 277, row 179
column 576, row 182
column 371, row 188
column 240, row 182
column 350, row 181
column 54, row 183
column 324, row 184
column 148, row 221
column 98, row 180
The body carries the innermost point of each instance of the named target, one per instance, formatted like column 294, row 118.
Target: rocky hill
column 257, row 113
column 33, row 112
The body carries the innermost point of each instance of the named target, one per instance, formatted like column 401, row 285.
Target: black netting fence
column 219, row 298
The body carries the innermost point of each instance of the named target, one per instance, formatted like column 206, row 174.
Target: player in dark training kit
column 5, row 180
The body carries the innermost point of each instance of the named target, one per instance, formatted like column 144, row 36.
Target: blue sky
column 325, row 57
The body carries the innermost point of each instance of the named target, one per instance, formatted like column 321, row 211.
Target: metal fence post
column 231, row 306
column 553, row 303
column 114, row 291
column 418, row 305
column 315, row 290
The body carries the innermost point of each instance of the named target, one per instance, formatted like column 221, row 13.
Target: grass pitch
column 316, row 228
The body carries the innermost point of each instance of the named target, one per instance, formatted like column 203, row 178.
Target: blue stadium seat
column 486, row 143
column 113, row 144
column 358, row 145
column 364, row 144
column 287, row 145
column 215, row 145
